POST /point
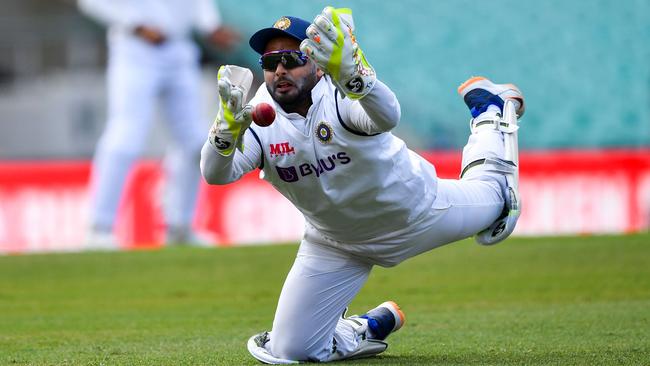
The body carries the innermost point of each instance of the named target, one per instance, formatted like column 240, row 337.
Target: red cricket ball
column 263, row 114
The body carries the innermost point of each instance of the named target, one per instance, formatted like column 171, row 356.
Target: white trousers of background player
column 327, row 275
column 140, row 75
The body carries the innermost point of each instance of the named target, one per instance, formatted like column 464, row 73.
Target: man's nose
column 280, row 69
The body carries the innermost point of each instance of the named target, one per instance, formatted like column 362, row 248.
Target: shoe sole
column 400, row 318
column 509, row 91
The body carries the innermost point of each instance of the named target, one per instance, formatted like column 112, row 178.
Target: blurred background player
column 367, row 199
column 152, row 56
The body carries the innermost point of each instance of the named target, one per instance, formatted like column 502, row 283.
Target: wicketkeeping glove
column 332, row 45
column 233, row 117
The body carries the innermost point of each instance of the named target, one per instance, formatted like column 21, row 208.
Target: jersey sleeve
column 379, row 111
column 219, row 169
column 207, row 17
column 110, row 13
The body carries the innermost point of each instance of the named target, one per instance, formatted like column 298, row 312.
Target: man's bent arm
column 219, row 169
column 378, row 111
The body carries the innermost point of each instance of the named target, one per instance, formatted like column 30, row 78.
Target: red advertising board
column 44, row 205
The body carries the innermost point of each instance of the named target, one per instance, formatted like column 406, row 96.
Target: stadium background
column 583, row 68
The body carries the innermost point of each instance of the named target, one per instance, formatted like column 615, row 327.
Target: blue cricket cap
column 284, row 27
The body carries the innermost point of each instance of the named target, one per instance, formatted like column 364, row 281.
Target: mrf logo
column 323, row 165
column 281, row 149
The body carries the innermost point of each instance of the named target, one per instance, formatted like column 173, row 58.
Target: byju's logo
column 287, row 174
column 292, row 174
column 281, row 149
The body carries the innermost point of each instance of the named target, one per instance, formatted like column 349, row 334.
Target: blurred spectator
column 152, row 56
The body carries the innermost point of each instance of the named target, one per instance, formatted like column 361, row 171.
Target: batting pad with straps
column 509, row 167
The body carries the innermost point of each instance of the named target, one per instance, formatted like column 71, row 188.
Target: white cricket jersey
column 350, row 186
column 175, row 18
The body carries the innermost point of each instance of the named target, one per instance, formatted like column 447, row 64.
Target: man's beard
column 298, row 97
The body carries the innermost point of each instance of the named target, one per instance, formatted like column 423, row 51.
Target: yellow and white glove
column 233, row 117
column 332, row 45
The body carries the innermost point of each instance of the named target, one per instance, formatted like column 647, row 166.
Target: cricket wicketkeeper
column 367, row 199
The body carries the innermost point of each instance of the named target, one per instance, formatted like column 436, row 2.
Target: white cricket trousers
column 139, row 75
column 327, row 275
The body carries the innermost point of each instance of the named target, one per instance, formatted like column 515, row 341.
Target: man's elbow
column 215, row 179
column 397, row 113
column 392, row 120
column 211, row 176
column 211, row 180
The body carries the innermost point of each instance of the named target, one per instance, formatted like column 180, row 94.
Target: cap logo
column 282, row 23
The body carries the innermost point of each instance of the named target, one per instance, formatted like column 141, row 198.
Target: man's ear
column 319, row 73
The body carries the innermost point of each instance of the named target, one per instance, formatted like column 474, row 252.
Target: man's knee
column 294, row 348
column 492, row 171
column 289, row 350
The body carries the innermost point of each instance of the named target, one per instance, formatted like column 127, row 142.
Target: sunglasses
column 289, row 58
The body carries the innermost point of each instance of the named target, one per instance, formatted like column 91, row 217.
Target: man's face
column 290, row 86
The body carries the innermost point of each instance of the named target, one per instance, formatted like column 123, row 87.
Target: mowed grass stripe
column 555, row 301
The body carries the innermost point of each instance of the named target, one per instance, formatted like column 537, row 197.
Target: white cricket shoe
column 383, row 320
column 184, row 236
column 101, row 240
column 479, row 93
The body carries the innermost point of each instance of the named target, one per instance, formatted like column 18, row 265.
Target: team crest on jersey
column 324, row 132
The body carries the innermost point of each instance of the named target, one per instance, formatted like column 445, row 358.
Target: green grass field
column 549, row 301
